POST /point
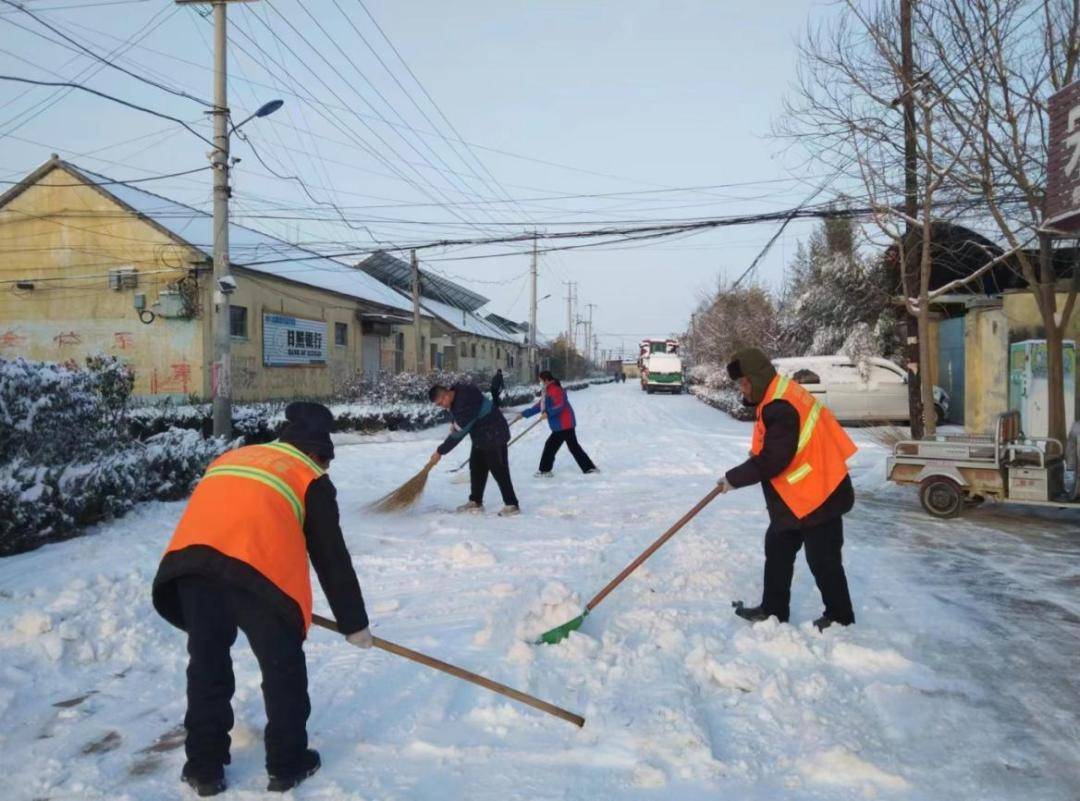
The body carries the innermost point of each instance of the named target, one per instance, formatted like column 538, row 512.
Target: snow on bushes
column 68, row 457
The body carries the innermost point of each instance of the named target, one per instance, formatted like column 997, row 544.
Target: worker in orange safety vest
column 238, row 560
column 798, row 455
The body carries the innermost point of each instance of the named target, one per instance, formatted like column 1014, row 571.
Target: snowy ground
column 959, row 681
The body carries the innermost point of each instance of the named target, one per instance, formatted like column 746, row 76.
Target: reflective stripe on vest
column 819, row 464
column 267, row 478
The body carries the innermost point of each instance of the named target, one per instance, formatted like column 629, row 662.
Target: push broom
column 560, row 633
column 461, row 673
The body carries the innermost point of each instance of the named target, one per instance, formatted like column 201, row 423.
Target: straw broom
column 405, row 495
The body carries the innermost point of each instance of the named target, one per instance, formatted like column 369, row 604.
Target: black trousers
column 494, row 460
column 213, row 611
column 555, row 441
column 823, row 545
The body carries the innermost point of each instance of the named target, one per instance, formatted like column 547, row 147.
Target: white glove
column 723, row 485
column 361, row 639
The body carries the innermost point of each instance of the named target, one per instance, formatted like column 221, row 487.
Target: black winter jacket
column 489, row 431
column 781, row 441
column 325, row 546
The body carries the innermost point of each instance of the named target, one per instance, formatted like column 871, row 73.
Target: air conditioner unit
column 123, row 278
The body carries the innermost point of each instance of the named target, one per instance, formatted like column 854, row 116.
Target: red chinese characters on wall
column 177, row 380
column 123, row 340
column 67, row 338
column 11, row 339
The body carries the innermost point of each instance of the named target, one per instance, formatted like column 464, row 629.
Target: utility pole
column 590, row 347
column 532, row 314
column 910, row 265
column 569, row 327
column 419, row 361
column 221, row 369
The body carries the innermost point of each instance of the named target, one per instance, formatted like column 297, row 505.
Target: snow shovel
column 560, row 633
column 464, row 464
column 461, row 673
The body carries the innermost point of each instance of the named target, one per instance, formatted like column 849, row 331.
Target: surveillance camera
column 226, row 284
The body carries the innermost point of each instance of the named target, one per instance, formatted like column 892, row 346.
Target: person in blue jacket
column 555, row 406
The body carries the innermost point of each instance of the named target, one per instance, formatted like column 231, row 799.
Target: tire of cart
column 941, row 497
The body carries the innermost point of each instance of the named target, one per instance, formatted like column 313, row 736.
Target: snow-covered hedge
column 710, row 384
column 378, row 410
column 68, row 457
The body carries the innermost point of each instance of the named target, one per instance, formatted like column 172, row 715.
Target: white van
column 877, row 394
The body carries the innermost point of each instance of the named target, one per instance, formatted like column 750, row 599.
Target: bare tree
column 996, row 64
column 848, row 111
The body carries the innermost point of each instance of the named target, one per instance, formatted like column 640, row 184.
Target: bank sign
column 293, row 340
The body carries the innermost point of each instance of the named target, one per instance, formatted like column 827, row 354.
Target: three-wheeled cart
column 957, row 471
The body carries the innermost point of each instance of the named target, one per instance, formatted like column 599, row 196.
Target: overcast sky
column 621, row 98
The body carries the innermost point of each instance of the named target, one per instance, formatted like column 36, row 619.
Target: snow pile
column 556, row 604
column 469, row 554
column 839, row 768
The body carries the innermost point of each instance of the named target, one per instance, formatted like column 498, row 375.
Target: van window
column 806, row 377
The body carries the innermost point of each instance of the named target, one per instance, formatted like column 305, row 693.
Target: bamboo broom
column 405, row 495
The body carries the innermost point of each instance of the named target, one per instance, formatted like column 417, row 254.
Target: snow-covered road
column 959, row 681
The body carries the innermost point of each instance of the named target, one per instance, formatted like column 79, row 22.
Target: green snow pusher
column 560, row 633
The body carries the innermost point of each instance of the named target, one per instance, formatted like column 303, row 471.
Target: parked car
column 877, row 393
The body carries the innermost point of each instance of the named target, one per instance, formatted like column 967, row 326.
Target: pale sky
column 633, row 97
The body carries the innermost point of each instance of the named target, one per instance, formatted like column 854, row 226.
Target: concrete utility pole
column 224, row 285
column 590, row 349
column 221, row 369
column 419, row 363
column 910, row 265
column 569, row 327
column 532, row 314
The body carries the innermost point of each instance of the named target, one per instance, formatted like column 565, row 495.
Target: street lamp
column 265, row 110
column 224, row 284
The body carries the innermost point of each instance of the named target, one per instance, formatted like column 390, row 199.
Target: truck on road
column 661, row 366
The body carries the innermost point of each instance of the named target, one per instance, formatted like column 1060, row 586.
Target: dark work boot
column 206, row 784
column 825, row 621
column 755, row 614
column 309, row 764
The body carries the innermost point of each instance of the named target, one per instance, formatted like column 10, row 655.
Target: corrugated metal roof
column 248, row 245
column 398, row 274
column 466, row 321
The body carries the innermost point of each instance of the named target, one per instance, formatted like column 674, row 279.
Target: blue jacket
column 560, row 414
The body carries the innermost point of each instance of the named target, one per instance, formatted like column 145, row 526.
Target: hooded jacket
column 781, row 422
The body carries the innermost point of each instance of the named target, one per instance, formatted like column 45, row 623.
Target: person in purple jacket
column 555, row 406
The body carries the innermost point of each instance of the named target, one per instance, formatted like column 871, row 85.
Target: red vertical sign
column 1062, row 210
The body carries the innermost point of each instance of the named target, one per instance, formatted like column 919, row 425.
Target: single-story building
column 461, row 339
column 96, row 266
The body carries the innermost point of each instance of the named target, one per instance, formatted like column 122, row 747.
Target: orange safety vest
column 820, row 457
column 250, row 505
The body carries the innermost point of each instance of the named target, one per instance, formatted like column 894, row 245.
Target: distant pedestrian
column 239, row 560
column 798, row 455
column 476, row 416
column 555, row 406
column 497, row 386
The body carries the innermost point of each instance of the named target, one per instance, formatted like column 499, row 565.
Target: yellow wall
column 1022, row 313
column 65, row 239
column 986, row 368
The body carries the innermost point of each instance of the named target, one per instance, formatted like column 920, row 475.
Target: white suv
column 878, row 393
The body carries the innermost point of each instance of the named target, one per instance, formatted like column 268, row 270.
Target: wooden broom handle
column 667, row 535
column 534, row 424
column 461, row 673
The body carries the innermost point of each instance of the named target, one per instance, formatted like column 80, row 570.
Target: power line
column 107, row 62
column 127, row 181
column 113, row 98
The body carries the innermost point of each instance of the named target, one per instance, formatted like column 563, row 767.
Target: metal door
column 951, row 366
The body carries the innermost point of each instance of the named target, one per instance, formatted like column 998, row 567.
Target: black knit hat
column 308, row 427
